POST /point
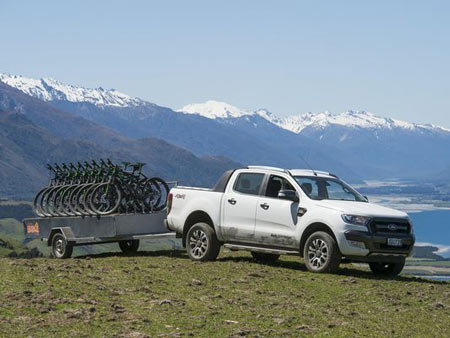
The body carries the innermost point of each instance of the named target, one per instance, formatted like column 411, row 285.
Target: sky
column 387, row 57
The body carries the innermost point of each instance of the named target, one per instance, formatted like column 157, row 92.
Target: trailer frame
column 64, row 233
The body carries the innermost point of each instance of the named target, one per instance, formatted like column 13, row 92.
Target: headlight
column 356, row 220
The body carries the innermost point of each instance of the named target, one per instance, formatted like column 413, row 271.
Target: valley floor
column 165, row 294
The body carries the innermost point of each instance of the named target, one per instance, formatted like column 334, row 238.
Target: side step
column 260, row 249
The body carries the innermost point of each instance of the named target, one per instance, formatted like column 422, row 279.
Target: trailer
column 64, row 233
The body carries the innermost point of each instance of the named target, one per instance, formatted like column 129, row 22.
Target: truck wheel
column 265, row 257
column 321, row 253
column 202, row 243
column 386, row 269
column 130, row 246
column 60, row 247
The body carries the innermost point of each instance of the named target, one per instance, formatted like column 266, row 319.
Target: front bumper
column 378, row 248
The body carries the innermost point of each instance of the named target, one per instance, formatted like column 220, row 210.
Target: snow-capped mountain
column 215, row 109
column 297, row 123
column 47, row 89
column 351, row 119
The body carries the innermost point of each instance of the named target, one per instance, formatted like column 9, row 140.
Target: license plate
column 394, row 242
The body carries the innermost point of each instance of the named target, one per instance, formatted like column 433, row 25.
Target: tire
column 162, row 190
column 265, row 257
column 201, row 243
column 386, row 269
column 130, row 246
column 105, row 199
column 37, row 203
column 321, row 253
column 61, row 249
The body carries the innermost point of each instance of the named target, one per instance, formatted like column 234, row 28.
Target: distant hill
column 426, row 252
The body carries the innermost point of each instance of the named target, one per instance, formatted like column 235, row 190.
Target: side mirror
column 290, row 195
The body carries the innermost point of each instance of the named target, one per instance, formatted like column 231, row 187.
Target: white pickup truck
column 271, row 211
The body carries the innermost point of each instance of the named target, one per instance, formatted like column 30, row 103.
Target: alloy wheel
column 198, row 244
column 318, row 253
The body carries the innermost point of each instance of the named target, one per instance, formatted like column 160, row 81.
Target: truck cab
column 273, row 211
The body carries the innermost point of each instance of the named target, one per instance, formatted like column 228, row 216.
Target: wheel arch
column 312, row 228
column 193, row 218
column 65, row 231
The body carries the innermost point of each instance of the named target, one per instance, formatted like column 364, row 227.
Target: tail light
column 169, row 202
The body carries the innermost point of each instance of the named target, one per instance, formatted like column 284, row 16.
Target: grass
column 11, row 229
column 164, row 293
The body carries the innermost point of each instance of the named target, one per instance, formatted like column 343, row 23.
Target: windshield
column 323, row 188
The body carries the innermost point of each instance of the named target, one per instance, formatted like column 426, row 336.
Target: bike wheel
column 37, row 203
column 50, row 202
column 64, row 201
column 43, row 202
column 105, row 199
column 57, row 201
column 163, row 190
column 85, row 197
column 73, row 198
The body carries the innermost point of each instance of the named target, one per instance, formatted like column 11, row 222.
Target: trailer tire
column 202, row 243
column 61, row 248
column 130, row 246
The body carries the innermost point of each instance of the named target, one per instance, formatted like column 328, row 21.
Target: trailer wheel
column 60, row 247
column 202, row 243
column 130, row 246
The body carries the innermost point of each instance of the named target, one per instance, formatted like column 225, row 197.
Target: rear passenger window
column 248, row 183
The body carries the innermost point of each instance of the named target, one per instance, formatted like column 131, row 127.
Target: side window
column 248, row 183
column 309, row 186
column 275, row 184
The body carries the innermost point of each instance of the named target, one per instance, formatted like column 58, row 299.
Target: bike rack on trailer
column 63, row 233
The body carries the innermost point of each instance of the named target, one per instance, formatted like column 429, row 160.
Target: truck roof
column 223, row 180
column 309, row 172
column 294, row 172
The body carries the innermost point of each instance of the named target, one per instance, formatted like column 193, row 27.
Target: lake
column 433, row 227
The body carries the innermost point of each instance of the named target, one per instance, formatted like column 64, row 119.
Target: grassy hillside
column 164, row 293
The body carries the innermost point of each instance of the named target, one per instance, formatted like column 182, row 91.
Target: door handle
column 301, row 211
column 232, row 201
column 265, row 206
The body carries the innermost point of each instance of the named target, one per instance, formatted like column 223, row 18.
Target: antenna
column 315, row 174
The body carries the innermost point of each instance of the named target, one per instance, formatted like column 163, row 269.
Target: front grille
column 390, row 226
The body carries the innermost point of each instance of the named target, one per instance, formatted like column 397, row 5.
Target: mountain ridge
column 355, row 145
column 48, row 89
